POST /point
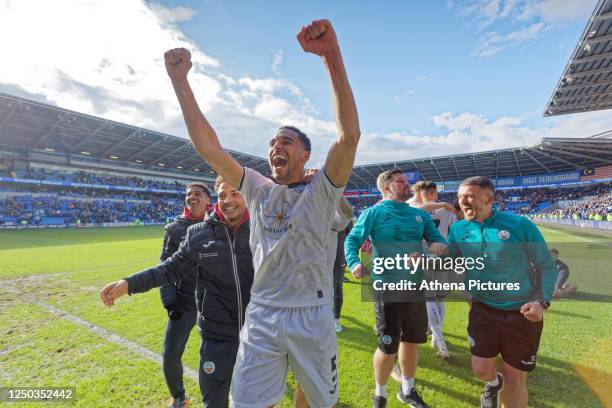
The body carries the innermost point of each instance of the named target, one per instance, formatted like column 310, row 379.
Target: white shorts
column 274, row 340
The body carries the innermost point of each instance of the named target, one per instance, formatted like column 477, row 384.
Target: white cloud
column 106, row 59
column 493, row 42
column 277, row 60
column 172, row 15
column 527, row 19
column 469, row 132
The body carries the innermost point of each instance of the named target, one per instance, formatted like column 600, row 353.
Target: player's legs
column 408, row 358
column 261, row 365
column 177, row 333
column 484, row 368
column 514, row 393
column 312, row 353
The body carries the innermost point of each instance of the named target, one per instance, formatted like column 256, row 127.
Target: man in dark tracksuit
column 219, row 248
column 179, row 298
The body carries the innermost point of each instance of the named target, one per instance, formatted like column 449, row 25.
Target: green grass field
column 67, row 268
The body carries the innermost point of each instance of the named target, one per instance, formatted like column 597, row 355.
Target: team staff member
column 179, row 298
column 395, row 227
column 219, row 248
column 506, row 322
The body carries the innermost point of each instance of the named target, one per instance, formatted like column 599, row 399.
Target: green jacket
column 394, row 229
column 514, row 251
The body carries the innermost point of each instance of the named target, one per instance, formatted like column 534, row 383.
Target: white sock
column 495, row 382
column 407, row 385
column 380, row 391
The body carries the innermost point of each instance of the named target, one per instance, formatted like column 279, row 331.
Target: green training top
column 513, row 250
column 394, row 229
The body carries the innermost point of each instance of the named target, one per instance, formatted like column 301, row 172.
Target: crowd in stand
column 76, row 205
column 90, row 178
column 22, row 210
column 598, row 209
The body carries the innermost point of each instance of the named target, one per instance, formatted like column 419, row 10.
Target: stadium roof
column 549, row 156
column 36, row 130
column 586, row 82
column 28, row 127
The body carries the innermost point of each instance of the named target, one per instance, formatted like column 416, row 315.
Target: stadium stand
column 59, row 167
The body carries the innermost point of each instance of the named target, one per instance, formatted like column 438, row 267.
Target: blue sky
column 430, row 77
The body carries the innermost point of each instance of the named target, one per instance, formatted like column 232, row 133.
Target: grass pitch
column 65, row 269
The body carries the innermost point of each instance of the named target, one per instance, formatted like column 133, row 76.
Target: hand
column 359, row 271
column 449, row 207
column 318, row 38
column 175, row 311
column 533, row 311
column 113, row 291
column 309, row 175
column 438, row 248
column 178, row 63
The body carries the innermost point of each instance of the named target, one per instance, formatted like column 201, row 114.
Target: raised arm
column 203, row 136
column 320, row 39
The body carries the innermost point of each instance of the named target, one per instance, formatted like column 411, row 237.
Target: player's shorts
column 494, row 331
column 400, row 322
column 274, row 340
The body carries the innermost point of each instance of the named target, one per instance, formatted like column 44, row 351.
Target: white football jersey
column 290, row 229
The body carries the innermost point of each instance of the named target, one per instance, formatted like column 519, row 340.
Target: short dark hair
column 479, row 181
column 301, row 135
column 554, row 250
column 201, row 185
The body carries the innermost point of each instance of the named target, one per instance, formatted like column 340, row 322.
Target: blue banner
column 413, row 176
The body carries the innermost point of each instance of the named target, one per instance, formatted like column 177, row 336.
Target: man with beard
column 506, row 322
column 289, row 322
column 218, row 248
column 395, row 228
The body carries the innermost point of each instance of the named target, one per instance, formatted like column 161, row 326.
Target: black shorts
column 494, row 331
column 400, row 322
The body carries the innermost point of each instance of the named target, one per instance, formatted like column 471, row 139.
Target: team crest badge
column 386, row 339
column 503, row 235
column 418, row 219
column 209, row 367
column 471, row 341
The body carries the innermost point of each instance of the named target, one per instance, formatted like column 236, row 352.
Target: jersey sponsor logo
column 207, row 254
column 208, row 367
column 278, row 221
column 503, row 235
column 209, row 243
column 386, row 339
column 471, row 341
column 418, row 219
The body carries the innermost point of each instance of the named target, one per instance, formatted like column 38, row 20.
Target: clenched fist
column 178, row 63
column 359, row 271
column 318, row 38
column 113, row 291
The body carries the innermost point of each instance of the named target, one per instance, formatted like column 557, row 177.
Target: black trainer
column 413, row 399
column 490, row 396
column 379, row 402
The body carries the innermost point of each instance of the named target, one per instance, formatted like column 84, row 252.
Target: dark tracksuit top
column 224, row 275
column 183, row 291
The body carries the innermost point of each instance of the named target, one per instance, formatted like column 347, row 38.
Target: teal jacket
column 513, row 250
column 394, row 229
